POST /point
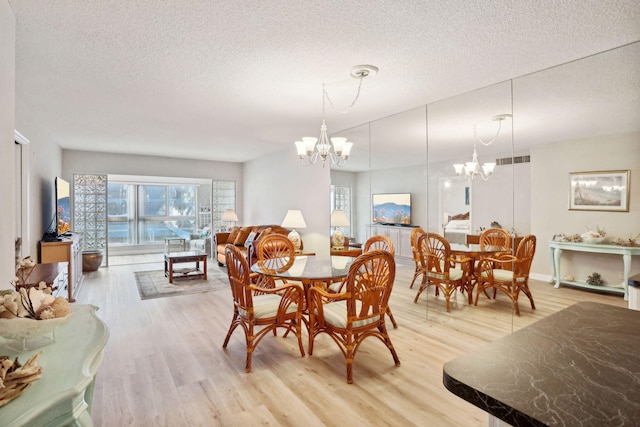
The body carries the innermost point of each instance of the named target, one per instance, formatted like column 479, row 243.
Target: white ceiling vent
column 511, row 160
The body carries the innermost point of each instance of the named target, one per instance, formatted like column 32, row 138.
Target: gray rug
column 153, row 284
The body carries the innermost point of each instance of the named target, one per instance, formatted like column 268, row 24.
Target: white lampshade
column 488, row 168
column 230, row 215
column 346, row 150
column 458, row 167
column 339, row 219
column 294, row 219
column 338, row 143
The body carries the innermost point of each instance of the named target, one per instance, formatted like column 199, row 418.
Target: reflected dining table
column 476, row 253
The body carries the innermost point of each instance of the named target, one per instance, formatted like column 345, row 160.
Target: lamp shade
column 339, row 219
column 230, row 215
column 294, row 219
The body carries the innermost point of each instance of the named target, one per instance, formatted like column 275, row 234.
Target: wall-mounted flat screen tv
column 63, row 206
column 392, row 209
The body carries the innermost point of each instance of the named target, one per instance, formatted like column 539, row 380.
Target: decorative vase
column 91, row 260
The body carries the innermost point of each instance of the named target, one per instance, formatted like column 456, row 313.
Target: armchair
column 508, row 273
column 256, row 307
column 201, row 241
column 384, row 243
column 357, row 313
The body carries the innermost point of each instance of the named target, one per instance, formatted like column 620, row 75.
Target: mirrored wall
column 576, row 117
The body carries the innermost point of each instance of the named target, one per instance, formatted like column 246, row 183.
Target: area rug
column 153, row 284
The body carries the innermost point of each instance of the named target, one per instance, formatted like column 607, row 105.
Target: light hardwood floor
column 165, row 366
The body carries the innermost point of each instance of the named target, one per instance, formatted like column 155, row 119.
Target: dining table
column 319, row 270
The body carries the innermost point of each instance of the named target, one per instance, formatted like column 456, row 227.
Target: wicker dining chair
column 383, row 243
column 257, row 311
column 508, row 273
column 359, row 311
column 440, row 267
column 280, row 252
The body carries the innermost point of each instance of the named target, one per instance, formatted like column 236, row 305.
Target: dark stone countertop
column 577, row 367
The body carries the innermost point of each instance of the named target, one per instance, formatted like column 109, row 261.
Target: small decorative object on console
column 594, row 236
column 595, row 279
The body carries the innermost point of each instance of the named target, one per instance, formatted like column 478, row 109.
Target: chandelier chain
column 346, row 110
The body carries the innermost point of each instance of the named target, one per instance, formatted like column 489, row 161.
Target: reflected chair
column 415, row 251
column 260, row 310
column 440, row 267
column 508, row 273
column 380, row 242
column 496, row 237
column 359, row 311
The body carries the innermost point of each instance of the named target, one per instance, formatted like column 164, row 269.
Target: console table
column 626, row 252
column 576, row 367
column 63, row 395
column 68, row 250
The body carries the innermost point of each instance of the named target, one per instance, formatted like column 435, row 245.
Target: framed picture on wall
column 599, row 191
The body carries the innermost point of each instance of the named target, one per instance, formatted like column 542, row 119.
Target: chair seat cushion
column 335, row 314
column 502, row 275
column 454, row 274
column 266, row 306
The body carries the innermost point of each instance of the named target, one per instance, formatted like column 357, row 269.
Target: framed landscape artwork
column 599, row 191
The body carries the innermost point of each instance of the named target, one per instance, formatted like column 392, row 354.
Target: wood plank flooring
column 165, row 365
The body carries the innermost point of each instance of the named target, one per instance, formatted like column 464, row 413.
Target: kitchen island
column 577, row 367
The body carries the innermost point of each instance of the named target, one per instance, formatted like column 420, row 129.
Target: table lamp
column 293, row 219
column 338, row 219
column 230, row 216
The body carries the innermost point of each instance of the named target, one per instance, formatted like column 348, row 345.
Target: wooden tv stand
column 68, row 250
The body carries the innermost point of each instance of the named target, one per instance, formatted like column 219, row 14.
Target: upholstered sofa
column 244, row 238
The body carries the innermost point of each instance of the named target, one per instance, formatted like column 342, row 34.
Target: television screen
column 63, row 206
column 392, row 208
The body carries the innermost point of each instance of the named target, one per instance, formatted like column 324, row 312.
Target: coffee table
column 197, row 257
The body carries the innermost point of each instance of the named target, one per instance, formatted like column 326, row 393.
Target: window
column 224, row 197
column 144, row 213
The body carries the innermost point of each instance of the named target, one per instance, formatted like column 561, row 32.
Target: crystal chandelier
column 470, row 170
column 310, row 149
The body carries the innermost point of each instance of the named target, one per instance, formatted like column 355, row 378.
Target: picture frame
column 599, row 191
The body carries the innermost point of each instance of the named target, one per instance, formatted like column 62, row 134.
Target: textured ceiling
column 234, row 80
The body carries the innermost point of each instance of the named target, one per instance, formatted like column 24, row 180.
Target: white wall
column 504, row 198
column 45, row 164
column 550, row 168
column 7, row 126
column 278, row 182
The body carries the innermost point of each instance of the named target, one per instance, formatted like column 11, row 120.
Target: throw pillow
column 250, row 238
column 242, row 236
column 233, row 235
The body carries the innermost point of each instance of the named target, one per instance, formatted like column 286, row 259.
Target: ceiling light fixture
column 338, row 150
column 470, row 170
